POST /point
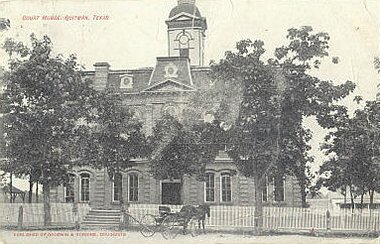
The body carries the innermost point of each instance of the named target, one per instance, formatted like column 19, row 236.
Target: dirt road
column 104, row 237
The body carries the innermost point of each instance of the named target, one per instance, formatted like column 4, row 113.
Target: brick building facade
column 151, row 92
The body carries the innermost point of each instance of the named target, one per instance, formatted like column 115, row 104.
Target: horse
column 186, row 213
column 201, row 212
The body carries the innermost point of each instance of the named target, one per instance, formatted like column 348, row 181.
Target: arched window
column 69, row 189
column 226, row 194
column 116, row 189
column 210, row 187
column 133, row 187
column 170, row 110
column 184, row 39
column 85, row 187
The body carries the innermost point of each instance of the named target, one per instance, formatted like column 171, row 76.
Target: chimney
column 101, row 75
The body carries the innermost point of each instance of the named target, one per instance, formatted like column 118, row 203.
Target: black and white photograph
column 190, row 121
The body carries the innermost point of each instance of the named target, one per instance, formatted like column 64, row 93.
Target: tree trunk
column 362, row 198
column 345, row 195
column 30, row 195
column 123, row 210
column 47, row 213
column 371, row 194
column 37, row 192
column 10, row 188
column 352, row 200
column 303, row 194
column 182, row 195
column 258, row 203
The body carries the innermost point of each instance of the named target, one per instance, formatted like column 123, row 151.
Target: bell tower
column 186, row 32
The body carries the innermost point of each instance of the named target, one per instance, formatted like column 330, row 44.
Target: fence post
column 76, row 215
column 328, row 220
column 20, row 217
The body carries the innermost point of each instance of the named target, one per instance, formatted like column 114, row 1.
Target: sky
column 135, row 34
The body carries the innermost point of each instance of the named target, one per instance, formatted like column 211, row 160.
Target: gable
column 169, row 85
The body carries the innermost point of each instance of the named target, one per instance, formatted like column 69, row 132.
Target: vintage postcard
column 189, row 121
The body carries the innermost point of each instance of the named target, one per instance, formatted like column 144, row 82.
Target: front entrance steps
column 102, row 219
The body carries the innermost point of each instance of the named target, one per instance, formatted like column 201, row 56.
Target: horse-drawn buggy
column 187, row 221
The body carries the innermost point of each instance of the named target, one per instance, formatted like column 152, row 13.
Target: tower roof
column 185, row 6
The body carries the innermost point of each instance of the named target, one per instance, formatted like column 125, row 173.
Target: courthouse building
column 150, row 93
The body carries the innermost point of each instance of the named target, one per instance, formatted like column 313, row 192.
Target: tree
column 376, row 63
column 46, row 97
column 253, row 144
column 354, row 151
column 273, row 98
column 305, row 96
column 4, row 24
column 113, row 140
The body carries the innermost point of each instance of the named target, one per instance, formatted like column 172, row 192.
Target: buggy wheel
column 148, row 225
column 168, row 227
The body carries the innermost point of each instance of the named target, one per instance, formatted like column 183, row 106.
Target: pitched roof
column 174, row 68
column 169, row 86
column 187, row 77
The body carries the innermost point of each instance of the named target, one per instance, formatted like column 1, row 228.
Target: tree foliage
column 174, row 150
column 4, row 24
column 179, row 150
column 376, row 63
column 114, row 138
column 45, row 96
column 273, row 98
column 353, row 150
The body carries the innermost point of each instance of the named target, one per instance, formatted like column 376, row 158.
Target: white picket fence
column 276, row 218
column 223, row 217
column 33, row 213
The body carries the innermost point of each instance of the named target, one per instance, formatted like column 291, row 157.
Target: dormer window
column 171, row 71
column 126, row 82
column 170, row 110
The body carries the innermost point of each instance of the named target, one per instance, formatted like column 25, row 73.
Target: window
column 265, row 190
column 279, row 189
column 171, row 71
column 126, row 81
column 133, row 185
column 170, row 110
column 210, row 187
column 116, row 189
column 226, row 187
column 69, row 189
column 85, row 187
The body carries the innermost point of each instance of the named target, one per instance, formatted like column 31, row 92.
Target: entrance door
column 171, row 193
